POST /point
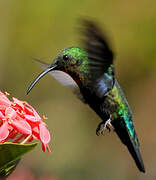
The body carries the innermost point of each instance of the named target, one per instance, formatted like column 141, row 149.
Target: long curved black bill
column 39, row 77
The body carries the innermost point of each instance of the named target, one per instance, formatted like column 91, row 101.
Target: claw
column 98, row 130
column 101, row 130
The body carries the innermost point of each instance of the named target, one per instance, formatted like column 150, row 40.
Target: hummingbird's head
column 89, row 67
column 72, row 61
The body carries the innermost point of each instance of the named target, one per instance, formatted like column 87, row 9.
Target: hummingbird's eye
column 66, row 57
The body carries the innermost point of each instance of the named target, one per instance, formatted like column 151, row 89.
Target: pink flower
column 18, row 118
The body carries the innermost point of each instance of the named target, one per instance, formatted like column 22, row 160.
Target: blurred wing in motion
column 100, row 58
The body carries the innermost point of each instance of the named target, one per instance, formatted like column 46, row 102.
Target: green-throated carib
column 90, row 73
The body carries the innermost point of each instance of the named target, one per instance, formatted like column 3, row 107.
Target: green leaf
column 4, row 172
column 10, row 154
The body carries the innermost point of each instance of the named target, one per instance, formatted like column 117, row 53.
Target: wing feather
column 100, row 58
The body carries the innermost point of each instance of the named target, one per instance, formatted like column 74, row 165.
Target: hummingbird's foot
column 101, row 130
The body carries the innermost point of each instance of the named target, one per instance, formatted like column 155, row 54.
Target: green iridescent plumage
column 78, row 57
column 91, row 72
column 117, row 99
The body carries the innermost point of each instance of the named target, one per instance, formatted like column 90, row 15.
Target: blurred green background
column 37, row 28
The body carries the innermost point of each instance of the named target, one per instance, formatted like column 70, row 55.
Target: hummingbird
column 89, row 72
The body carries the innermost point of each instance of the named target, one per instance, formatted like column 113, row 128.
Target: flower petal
column 4, row 100
column 44, row 147
column 18, row 102
column 12, row 134
column 48, row 148
column 4, row 132
column 44, row 134
column 34, row 112
column 28, row 111
column 10, row 113
column 35, row 133
column 31, row 118
column 1, row 115
column 22, row 126
column 3, row 107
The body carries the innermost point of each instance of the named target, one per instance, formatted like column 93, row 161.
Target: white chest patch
column 64, row 79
